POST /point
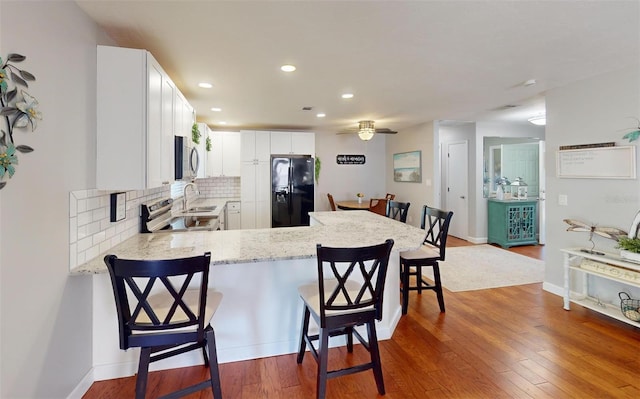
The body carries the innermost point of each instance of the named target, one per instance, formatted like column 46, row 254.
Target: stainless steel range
column 155, row 217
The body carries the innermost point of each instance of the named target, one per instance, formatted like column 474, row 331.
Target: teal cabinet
column 512, row 222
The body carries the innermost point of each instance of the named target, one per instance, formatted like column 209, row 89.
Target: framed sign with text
column 350, row 159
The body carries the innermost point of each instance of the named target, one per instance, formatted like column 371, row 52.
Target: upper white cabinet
column 224, row 157
column 255, row 146
column 303, row 143
column 134, row 142
column 184, row 117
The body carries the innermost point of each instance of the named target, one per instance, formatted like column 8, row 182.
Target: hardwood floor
column 511, row 342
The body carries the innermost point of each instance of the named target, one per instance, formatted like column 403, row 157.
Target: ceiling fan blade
column 386, row 131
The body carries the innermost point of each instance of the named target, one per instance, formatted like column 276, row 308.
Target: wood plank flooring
column 511, row 342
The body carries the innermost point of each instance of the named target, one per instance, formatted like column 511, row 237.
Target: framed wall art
column 407, row 167
column 597, row 163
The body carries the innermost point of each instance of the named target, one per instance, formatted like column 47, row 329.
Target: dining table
column 353, row 205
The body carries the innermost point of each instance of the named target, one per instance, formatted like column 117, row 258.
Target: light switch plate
column 563, row 200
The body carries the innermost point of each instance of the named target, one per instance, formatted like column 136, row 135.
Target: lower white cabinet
column 234, row 215
column 255, row 194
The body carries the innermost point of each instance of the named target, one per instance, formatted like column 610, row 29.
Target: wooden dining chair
column 390, row 196
column 348, row 293
column 378, row 205
column 332, row 204
column 398, row 210
column 160, row 314
column 436, row 222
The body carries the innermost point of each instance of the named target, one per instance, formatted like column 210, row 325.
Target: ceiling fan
column 366, row 130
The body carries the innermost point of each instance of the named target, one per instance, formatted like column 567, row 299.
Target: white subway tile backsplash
column 99, row 237
column 73, row 230
column 84, row 218
column 84, row 243
column 91, row 232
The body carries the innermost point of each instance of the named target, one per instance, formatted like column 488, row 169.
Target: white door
column 542, row 237
column 457, row 198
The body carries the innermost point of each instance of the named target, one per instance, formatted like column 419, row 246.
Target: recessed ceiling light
column 216, row 109
column 321, row 115
column 222, row 122
column 287, row 68
column 347, row 95
column 205, row 85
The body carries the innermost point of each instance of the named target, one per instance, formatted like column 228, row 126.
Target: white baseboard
column 552, row 288
column 82, row 387
column 477, row 240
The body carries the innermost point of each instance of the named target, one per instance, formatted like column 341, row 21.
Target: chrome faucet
column 185, row 196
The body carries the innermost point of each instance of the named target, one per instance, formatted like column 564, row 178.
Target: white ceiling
column 406, row 62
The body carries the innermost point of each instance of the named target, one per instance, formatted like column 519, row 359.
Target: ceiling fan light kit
column 366, row 130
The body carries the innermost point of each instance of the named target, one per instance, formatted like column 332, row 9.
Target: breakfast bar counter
column 258, row 272
column 357, row 228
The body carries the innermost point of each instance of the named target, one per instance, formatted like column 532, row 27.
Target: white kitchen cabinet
column 255, row 146
column 133, row 141
column 184, row 117
column 234, row 214
column 224, row 157
column 303, row 143
column 168, row 123
column 255, row 179
column 255, row 195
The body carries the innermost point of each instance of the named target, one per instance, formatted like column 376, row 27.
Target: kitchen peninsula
column 258, row 272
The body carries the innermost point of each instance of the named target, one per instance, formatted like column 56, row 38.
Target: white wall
column 45, row 313
column 344, row 181
column 423, row 138
column 590, row 111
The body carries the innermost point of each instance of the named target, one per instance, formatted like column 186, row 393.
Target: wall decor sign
column 407, row 167
column 350, row 159
column 597, row 163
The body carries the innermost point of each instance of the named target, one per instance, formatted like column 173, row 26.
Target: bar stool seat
column 436, row 223
column 351, row 297
column 161, row 313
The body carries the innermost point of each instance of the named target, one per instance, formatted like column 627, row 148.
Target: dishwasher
column 232, row 217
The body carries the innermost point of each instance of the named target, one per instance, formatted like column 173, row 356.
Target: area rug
column 479, row 267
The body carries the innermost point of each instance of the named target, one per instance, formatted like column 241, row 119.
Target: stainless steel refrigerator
column 292, row 190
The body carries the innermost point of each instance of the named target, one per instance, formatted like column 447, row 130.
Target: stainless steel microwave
column 187, row 159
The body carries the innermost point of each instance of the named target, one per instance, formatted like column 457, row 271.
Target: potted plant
column 629, row 249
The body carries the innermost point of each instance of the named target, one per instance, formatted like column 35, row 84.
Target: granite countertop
column 339, row 229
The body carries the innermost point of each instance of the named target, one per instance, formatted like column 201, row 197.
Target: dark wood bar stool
column 351, row 296
column 436, row 222
column 158, row 313
column 398, row 210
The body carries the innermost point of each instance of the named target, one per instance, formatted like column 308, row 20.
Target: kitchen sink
column 201, row 209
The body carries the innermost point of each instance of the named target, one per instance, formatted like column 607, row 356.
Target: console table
column 608, row 266
column 512, row 222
